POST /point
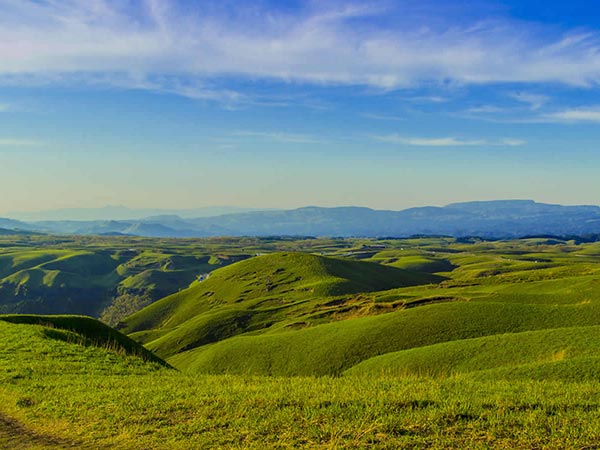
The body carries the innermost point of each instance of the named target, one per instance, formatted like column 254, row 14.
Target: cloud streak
column 12, row 142
column 161, row 45
column 375, row 116
column 288, row 138
column 575, row 115
column 445, row 141
column 535, row 101
column 511, row 142
column 485, row 109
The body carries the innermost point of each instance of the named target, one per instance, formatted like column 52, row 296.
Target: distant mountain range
column 491, row 219
column 123, row 213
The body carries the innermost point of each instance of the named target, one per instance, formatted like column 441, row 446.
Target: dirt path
column 14, row 436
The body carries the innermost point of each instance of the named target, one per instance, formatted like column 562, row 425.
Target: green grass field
column 57, row 393
column 416, row 343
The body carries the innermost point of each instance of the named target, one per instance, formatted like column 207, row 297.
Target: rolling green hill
column 274, row 290
column 321, row 306
column 108, row 281
column 81, row 340
column 270, row 315
column 330, row 349
column 570, row 354
column 417, row 343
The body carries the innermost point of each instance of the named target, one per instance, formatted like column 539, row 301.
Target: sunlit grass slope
column 286, row 276
column 56, row 395
column 258, row 293
column 291, row 313
column 57, row 392
column 563, row 353
column 73, row 333
column 498, row 289
column 330, row 349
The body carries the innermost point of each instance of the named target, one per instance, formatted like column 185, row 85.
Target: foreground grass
column 56, row 393
column 172, row 411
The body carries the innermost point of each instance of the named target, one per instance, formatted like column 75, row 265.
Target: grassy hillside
column 330, row 349
column 89, row 279
column 259, row 293
column 323, row 309
column 486, row 345
column 302, row 324
column 76, row 330
column 561, row 353
column 55, row 393
column 113, row 277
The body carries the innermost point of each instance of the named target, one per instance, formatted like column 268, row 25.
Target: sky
column 387, row 104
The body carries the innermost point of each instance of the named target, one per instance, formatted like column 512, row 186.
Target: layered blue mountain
column 490, row 219
column 122, row 213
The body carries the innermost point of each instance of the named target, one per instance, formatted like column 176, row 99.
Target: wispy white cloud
column 584, row 114
column 446, row 141
column 485, row 109
column 155, row 44
column 535, row 101
column 531, row 102
column 12, row 142
column 511, row 142
column 288, row 138
column 429, row 99
column 382, row 117
column 429, row 142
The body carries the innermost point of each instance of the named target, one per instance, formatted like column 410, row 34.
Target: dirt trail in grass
column 14, row 436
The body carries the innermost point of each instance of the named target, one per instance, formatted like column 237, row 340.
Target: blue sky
column 387, row 104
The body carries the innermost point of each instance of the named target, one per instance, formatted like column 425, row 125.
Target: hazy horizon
column 384, row 104
column 133, row 213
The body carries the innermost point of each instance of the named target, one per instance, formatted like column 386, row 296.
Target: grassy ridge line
column 527, row 354
column 418, row 263
column 208, row 328
column 40, row 268
column 39, row 353
column 572, row 290
column 332, row 348
column 16, row 260
column 33, row 351
column 290, row 276
column 91, row 332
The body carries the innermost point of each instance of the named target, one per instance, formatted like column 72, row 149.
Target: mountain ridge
column 489, row 219
column 119, row 212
